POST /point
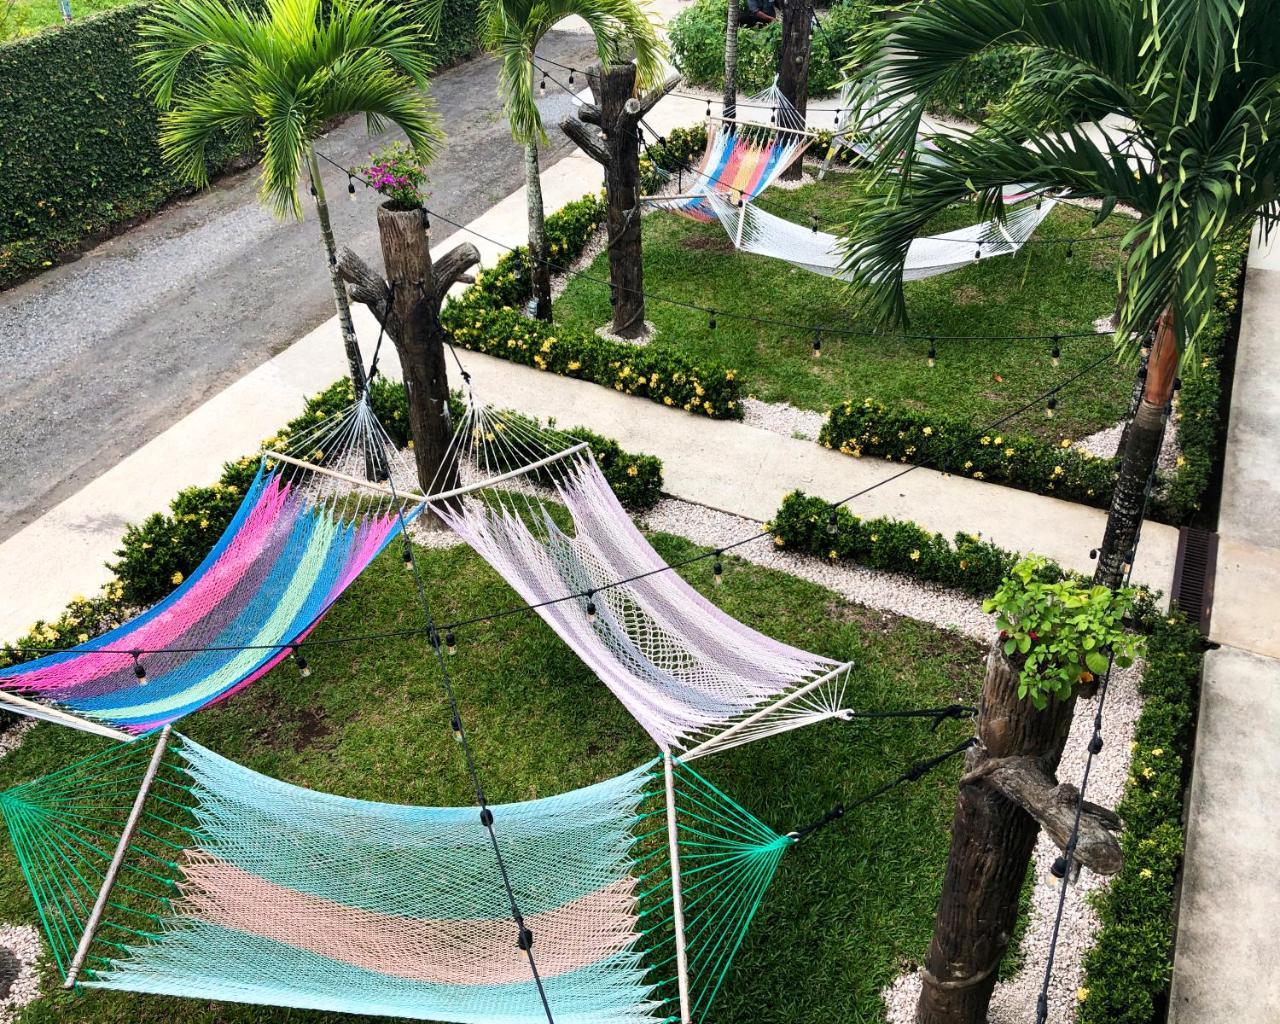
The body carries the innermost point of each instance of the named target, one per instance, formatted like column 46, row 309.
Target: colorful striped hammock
column 295, row 544
column 167, row 869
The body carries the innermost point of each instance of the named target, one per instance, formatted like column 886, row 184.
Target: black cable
column 524, row 937
column 692, row 559
column 915, row 772
column 1094, row 747
column 939, row 715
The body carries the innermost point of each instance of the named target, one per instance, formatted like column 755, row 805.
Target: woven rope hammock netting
column 743, row 159
column 164, row 868
column 298, row 540
column 536, row 506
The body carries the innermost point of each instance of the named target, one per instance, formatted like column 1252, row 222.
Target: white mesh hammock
column 535, row 504
column 758, row 231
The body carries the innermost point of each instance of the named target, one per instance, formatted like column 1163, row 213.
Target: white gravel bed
column 11, row 739
column 1014, row 1001
column 1106, row 443
column 885, row 592
column 22, row 943
column 782, row 418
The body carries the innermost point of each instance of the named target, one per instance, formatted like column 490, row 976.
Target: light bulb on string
column 711, row 319
column 1055, row 353
column 977, row 253
column 1070, row 249
column 1049, row 406
column 708, row 108
column 832, row 523
column 450, row 642
column 456, row 724
column 591, row 607
column 933, row 352
column 351, row 188
column 817, row 343
column 571, row 76
column 773, row 115
column 813, row 221
column 304, row 669
column 406, row 555
column 717, row 570
column 139, row 671
column 542, row 86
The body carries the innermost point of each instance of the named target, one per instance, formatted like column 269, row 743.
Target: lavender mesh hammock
column 536, row 506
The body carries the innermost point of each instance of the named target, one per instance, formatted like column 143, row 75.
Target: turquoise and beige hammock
column 298, row 540
column 161, row 867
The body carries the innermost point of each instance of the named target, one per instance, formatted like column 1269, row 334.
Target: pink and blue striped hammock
column 298, row 540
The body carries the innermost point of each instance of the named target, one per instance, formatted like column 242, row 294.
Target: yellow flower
column 1008, row 453
column 928, row 431
column 963, row 565
column 999, row 440
column 1058, row 471
column 778, row 542
column 1145, row 873
column 986, row 440
column 833, row 554
column 146, row 544
column 875, row 537
column 1082, row 994
column 977, row 474
column 667, row 400
column 969, row 464
column 632, row 471
column 1158, row 752
column 176, row 578
column 1181, row 462
column 83, row 638
column 574, row 364
column 729, row 374
column 915, row 555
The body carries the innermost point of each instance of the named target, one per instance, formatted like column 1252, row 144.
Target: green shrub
column 1128, row 969
column 79, row 151
column 979, row 85
column 697, row 46
column 967, row 563
column 869, row 429
column 635, row 479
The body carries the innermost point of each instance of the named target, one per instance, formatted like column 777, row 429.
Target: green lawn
column 848, row 907
column 20, row 17
column 1038, row 291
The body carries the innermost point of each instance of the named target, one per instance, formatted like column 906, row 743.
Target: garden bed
column 1038, row 291
column 371, row 722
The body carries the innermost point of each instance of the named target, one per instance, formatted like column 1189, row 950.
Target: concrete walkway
column 1229, row 923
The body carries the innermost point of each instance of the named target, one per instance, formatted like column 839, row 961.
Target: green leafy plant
column 1063, row 633
column 698, row 38
column 398, row 173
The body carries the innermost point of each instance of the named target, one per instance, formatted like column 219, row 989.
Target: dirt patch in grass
column 706, row 243
column 868, row 618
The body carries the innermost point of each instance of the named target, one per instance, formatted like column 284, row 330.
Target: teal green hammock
column 162, row 867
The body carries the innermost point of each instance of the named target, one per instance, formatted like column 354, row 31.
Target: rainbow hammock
column 742, row 158
column 165, row 868
column 296, row 543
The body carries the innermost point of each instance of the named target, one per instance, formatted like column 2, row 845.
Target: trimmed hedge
column 697, row 46
column 948, row 443
column 966, row 563
column 1127, row 972
column 158, row 553
column 488, row 317
column 79, row 154
column 978, row 86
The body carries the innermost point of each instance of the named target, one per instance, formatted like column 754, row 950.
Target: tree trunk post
column 355, row 362
column 618, row 111
column 731, row 61
column 1007, row 793
column 407, row 304
column 540, row 269
column 793, row 66
column 1142, row 440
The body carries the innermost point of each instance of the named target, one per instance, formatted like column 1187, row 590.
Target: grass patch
column 1038, row 291
column 848, row 908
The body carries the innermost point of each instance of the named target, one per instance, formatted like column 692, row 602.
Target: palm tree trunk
column 731, row 61
column 355, row 363
column 1141, row 451
column 540, row 271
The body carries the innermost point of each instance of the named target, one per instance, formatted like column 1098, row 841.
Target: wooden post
column 407, row 303
column 117, row 860
column 1007, row 794
column 677, row 896
column 616, row 147
column 793, row 65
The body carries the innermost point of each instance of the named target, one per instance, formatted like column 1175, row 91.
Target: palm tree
column 1196, row 84
column 731, row 60
column 277, row 76
column 512, row 31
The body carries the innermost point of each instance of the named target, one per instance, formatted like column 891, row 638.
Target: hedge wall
column 79, row 155
column 1127, row 972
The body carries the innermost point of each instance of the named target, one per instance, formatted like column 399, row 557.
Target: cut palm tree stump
column 614, row 143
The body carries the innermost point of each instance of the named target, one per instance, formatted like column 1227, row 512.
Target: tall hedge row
column 79, row 152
